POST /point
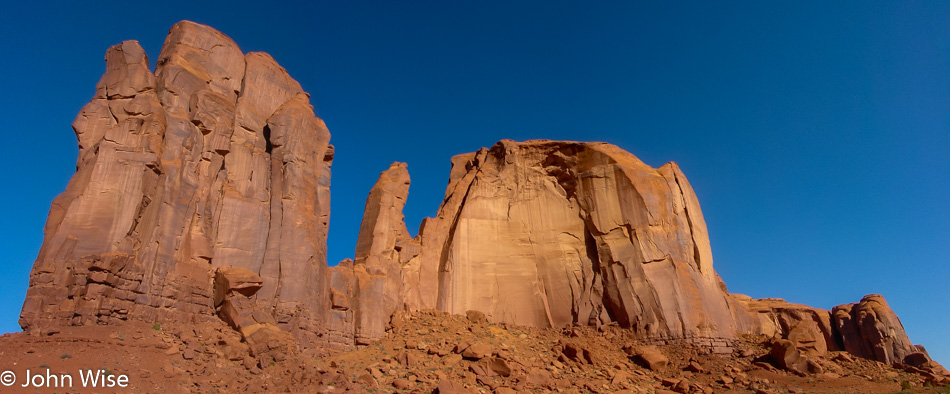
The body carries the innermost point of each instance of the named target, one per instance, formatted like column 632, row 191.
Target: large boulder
column 648, row 356
column 788, row 355
column 229, row 280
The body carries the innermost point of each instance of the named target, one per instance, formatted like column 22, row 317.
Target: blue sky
column 816, row 134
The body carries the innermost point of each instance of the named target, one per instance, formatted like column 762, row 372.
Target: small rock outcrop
column 781, row 319
column 870, row 329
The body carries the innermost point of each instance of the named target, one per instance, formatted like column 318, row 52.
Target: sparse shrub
column 156, row 326
column 65, row 356
column 905, row 385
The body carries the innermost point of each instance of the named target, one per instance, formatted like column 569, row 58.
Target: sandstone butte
column 202, row 193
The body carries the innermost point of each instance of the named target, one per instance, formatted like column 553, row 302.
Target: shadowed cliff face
column 214, row 160
column 214, row 172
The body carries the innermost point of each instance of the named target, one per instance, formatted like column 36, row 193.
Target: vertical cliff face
column 546, row 233
column 214, row 160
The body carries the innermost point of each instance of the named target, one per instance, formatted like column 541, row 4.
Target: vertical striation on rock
column 214, row 160
column 547, row 233
column 372, row 284
column 871, row 329
column 202, row 191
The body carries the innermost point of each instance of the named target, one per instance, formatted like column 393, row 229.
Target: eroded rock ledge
column 215, row 163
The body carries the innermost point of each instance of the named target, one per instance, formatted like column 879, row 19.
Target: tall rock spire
column 216, row 160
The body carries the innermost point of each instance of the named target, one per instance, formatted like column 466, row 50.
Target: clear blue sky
column 816, row 134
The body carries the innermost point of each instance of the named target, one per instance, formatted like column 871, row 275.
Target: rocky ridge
column 202, row 195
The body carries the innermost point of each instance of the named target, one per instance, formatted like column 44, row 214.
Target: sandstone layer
column 547, row 233
column 554, row 233
column 215, row 159
column 202, row 193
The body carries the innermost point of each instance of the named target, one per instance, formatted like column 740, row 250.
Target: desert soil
column 422, row 352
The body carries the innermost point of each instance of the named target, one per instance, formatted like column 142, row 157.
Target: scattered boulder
column 477, row 351
column 620, row 377
column 451, row 360
column 500, row 367
column 787, row 355
column 538, row 377
column 694, row 367
column 576, row 353
column 367, row 380
column 401, row 384
column 682, row 386
column 449, row 386
column 407, row 358
column 476, row 317
column 648, row 356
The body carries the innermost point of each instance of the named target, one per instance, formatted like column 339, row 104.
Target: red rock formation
column 202, row 192
column 367, row 292
column 870, row 329
column 776, row 317
column 214, row 160
column 546, row 233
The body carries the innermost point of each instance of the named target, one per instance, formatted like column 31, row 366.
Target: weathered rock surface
column 202, row 192
column 214, row 160
column 810, row 327
column 368, row 291
column 546, row 233
column 870, row 329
